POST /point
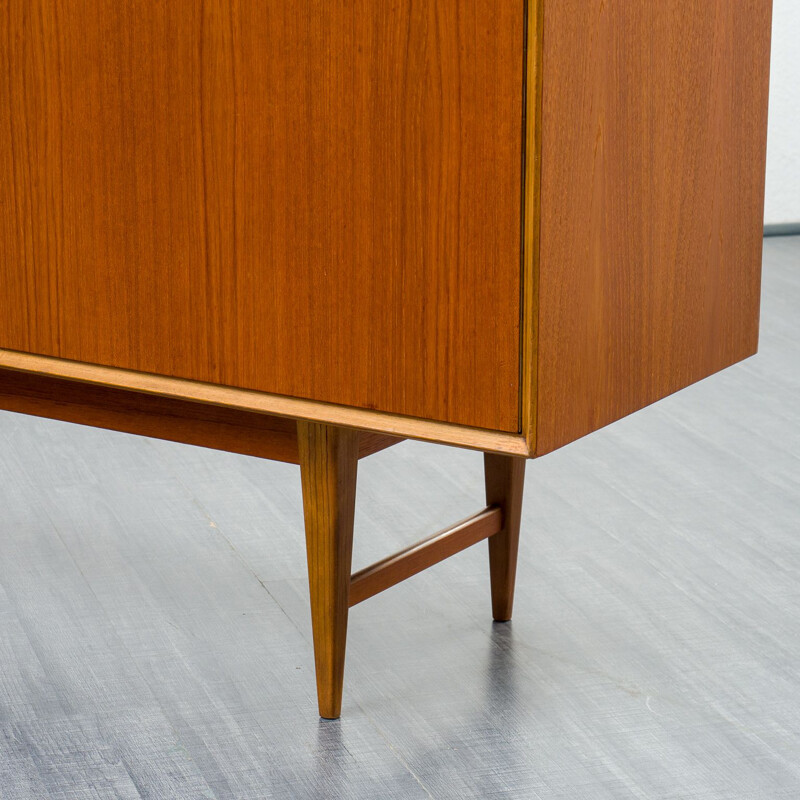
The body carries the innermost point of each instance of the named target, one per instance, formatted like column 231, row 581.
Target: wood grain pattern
column 653, row 156
column 234, row 430
column 317, row 200
column 263, row 403
column 397, row 567
column 328, row 466
column 505, row 485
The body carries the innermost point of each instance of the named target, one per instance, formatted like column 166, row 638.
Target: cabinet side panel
column 653, row 156
column 313, row 199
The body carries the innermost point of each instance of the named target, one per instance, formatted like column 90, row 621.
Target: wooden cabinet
column 498, row 225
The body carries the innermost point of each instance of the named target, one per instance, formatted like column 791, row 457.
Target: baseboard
column 782, row 229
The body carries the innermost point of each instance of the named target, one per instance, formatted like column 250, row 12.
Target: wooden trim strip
column 176, row 420
column 396, row 568
column 532, row 173
column 262, row 402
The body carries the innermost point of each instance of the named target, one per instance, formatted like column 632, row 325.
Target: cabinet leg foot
column 505, row 479
column 328, row 465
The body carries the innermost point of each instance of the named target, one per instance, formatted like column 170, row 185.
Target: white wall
column 783, row 140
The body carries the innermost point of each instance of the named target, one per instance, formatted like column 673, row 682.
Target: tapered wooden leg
column 328, row 464
column 505, row 479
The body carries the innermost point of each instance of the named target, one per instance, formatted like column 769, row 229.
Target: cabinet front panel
column 315, row 199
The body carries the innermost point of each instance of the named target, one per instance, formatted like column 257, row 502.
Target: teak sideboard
column 306, row 230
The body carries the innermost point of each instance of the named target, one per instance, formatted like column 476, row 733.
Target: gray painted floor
column 155, row 635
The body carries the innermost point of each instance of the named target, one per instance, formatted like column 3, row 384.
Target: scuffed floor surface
column 155, row 634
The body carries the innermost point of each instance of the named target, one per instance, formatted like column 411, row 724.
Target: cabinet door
column 319, row 199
